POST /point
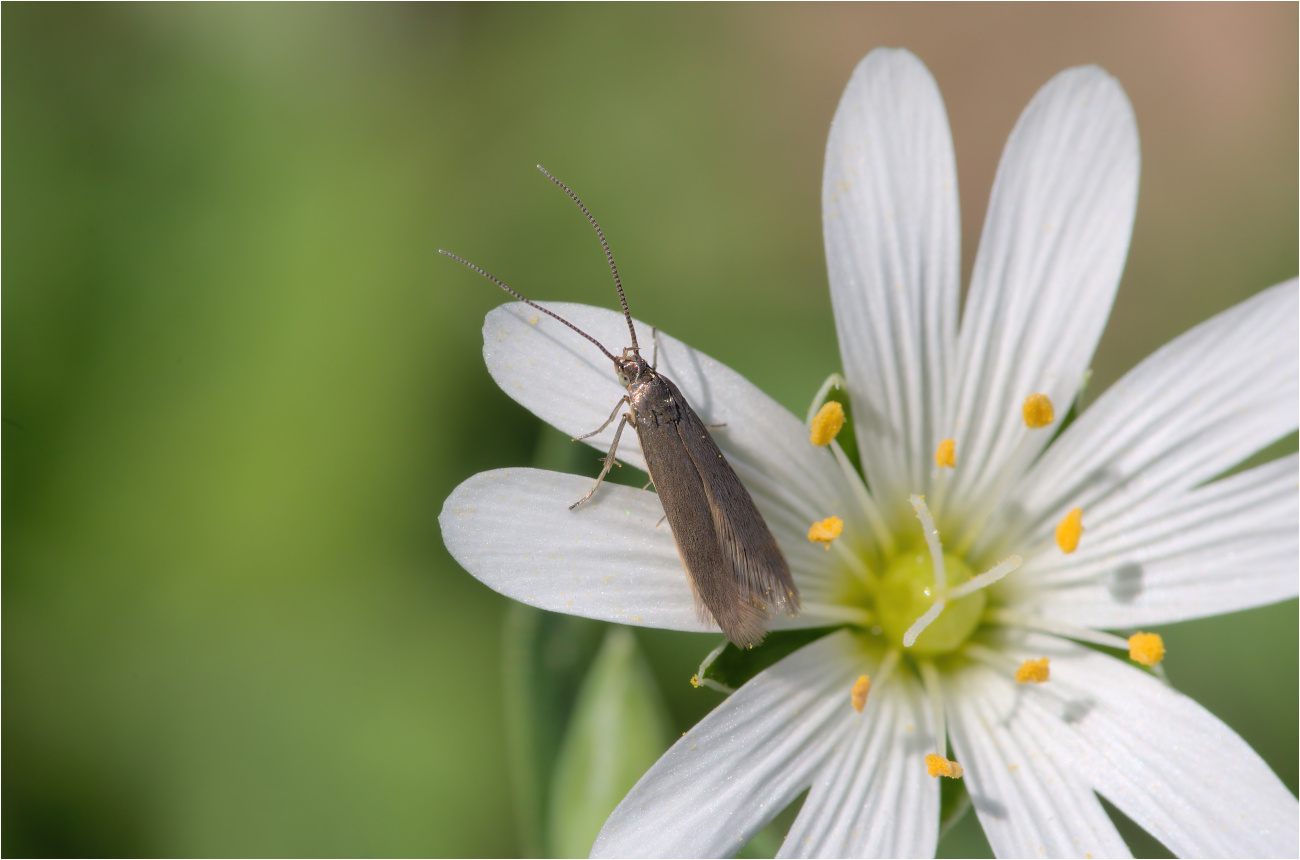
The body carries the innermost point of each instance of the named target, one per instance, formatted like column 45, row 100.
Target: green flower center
column 907, row 590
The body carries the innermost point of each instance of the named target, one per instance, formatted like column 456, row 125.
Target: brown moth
column 737, row 573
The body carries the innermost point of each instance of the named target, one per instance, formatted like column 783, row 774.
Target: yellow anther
column 1038, row 411
column 945, row 456
column 859, row 693
column 940, row 766
column 827, row 423
column 826, row 531
column 1033, row 670
column 1069, row 530
column 1146, row 648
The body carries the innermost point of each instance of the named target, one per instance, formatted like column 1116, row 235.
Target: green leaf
column 954, row 803
column 546, row 656
column 734, row 666
column 619, row 729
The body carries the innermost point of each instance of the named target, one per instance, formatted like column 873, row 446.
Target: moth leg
column 661, row 521
column 608, row 421
column 609, row 458
column 647, row 486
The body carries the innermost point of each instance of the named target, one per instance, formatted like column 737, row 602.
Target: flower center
column 907, row 591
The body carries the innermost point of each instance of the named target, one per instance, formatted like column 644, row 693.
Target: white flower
column 1163, row 541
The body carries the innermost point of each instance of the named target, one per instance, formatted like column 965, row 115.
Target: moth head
column 630, row 367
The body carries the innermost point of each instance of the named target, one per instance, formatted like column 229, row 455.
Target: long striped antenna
column 529, row 302
column 608, row 255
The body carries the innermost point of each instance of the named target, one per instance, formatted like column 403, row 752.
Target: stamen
column 879, row 529
column 886, row 667
column 699, row 680
column 940, row 766
column 826, row 531
column 1146, row 648
column 1069, row 530
column 933, row 685
column 1035, row 671
column 859, row 693
column 945, row 456
column 985, row 579
column 1011, row 618
column 1038, row 411
column 827, row 424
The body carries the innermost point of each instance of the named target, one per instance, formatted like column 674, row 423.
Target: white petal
column 1199, row 405
column 1163, row 760
column 893, row 244
column 1049, row 261
column 743, row 763
column 1228, row 545
column 566, row 381
column 513, row 530
column 1021, row 772
column 611, row 559
column 874, row 797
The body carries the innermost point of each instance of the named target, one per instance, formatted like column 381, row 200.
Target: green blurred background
column 239, row 382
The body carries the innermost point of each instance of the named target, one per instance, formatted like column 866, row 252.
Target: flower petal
column 874, row 797
column 513, row 530
column 610, row 559
column 1199, row 405
column 1049, row 261
column 893, row 245
column 1021, row 772
column 564, row 380
column 1162, row 759
column 1228, row 545
column 743, row 763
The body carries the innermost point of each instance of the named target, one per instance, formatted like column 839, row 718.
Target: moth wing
column 754, row 560
column 687, row 507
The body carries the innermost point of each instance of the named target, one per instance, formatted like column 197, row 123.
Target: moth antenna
column 529, row 302
column 608, row 254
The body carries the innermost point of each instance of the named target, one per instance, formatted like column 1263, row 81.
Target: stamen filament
column 886, row 668
column 934, row 692
column 879, row 529
column 698, row 679
column 838, row 612
column 1012, row 618
column 855, row 563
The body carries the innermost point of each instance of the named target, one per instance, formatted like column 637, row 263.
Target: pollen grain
column 1146, row 648
column 1069, row 530
column 859, row 693
column 940, row 766
column 826, row 531
column 1035, row 671
column 1038, row 411
column 827, row 423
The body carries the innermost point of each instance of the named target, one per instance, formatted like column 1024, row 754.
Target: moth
column 737, row 573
